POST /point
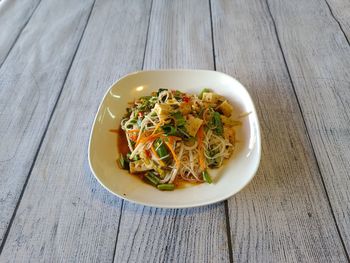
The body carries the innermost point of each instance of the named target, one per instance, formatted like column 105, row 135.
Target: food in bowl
column 171, row 137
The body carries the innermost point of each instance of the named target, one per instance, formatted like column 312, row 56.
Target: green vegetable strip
column 160, row 148
column 160, row 90
column 179, row 118
column 206, row 177
column 151, row 180
column 166, row 187
column 124, row 162
column 145, row 97
column 153, row 176
column 217, row 123
column 203, row 91
column 169, row 130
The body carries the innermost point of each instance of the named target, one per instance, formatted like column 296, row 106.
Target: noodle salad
column 174, row 136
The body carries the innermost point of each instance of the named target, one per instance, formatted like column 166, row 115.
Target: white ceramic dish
column 228, row 180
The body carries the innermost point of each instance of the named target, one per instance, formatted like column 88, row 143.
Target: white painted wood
column 14, row 15
column 318, row 58
column 30, row 81
column 65, row 214
column 283, row 215
column 179, row 37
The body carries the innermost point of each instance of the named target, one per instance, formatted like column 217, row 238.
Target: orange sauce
column 122, row 142
column 181, row 183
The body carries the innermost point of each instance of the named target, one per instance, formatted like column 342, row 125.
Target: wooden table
column 58, row 58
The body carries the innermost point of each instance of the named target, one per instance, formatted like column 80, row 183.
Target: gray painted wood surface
column 175, row 235
column 293, row 57
column 31, row 79
column 318, row 58
column 83, row 225
column 286, row 199
column 14, row 16
column 340, row 10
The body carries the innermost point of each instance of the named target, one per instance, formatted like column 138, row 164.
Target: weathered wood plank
column 65, row 215
column 179, row 37
column 340, row 10
column 14, row 15
column 30, row 82
column 283, row 215
column 318, row 57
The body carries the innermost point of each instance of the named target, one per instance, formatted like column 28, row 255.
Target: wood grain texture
column 340, row 10
column 283, row 215
column 14, row 15
column 30, row 81
column 65, row 214
column 179, row 37
column 318, row 57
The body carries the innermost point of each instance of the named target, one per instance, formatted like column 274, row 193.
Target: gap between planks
column 340, row 26
column 227, row 215
column 46, row 128
column 17, row 37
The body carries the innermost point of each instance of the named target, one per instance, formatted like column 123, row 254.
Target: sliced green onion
column 203, row 91
column 169, row 130
column 159, row 91
column 152, row 178
column 166, row 187
column 179, row 118
column 145, row 97
column 217, row 123
column 160, row 148
column 150, row 173
column 124, row 163
column 177, row 95
column 206, row 177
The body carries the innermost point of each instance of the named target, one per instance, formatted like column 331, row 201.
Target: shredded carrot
column 173, row 138
column 132, row 134
column 148, row 138
column 132, row 131
column 200, row 135
column 173, row 153
column 133, row 138
column 157, row 126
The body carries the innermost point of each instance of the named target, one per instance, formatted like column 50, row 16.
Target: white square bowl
column 228, row 180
